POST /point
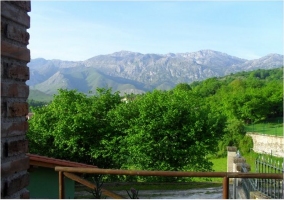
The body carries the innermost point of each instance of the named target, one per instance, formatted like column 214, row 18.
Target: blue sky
column 79, row 30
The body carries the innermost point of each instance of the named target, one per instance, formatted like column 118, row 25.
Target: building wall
column 268, row 144
column 14, row 93
column 44, row 184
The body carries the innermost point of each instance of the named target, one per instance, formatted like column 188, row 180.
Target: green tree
column 72, row 126
column 208, row 87
column 183, row 86
column 273, row 92
column 234, row 133
column 165, row 131
column 34, row 103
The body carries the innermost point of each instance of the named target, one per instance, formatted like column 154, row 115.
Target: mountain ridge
column 126, row 71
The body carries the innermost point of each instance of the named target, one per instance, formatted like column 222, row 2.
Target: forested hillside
column 159, row 130
column 247, row 96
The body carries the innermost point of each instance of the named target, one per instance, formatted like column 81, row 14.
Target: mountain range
column 132, row 72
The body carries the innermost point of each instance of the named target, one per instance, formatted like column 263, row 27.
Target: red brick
column 18, row 72
column 9, row 129
column 3, row 27
column 14, row 166
column 14, row 71
column 4, row 186
column 26, row 5
column 15, row 14
column 17, row 183
column 17, row 34
column 12, row 51
column 17, row 147
column 4, row 150
column 14, row 89
column 25, row 194
column 14, row 39
column 3, row 109
column 17, row 109
column 2, row 70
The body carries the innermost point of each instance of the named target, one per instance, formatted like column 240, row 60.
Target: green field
column 269, row 127
column 220, row 164
column 39, row 96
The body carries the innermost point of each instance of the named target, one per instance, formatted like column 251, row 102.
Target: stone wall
column 268, row 144
column 14, row 93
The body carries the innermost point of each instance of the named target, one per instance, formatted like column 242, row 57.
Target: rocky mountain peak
column 125, row 53
column 132, row 71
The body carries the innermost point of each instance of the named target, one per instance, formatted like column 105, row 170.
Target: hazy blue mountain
column 133, row 72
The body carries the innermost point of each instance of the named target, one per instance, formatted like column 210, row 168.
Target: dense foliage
column 72, row 125
column 166, row 131
column 159, row 130
column 244, row 97
column 34, row 103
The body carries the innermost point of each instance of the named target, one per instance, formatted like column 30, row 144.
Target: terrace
column 14, row 162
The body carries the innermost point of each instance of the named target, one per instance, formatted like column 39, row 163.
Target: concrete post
column 231, row 153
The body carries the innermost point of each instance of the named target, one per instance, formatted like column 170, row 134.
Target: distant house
column 44, row 182
column 124, row 100
column 29, row 116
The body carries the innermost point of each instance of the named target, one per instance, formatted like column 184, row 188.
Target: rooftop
column 43, row 161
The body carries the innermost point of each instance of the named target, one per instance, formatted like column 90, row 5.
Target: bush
column 246, row 144
column 234, row 135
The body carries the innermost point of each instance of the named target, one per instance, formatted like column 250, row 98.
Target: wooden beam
column 225, row 188
column 42, row 164
column 170, row 173
column 92, row 186
column 61, row 185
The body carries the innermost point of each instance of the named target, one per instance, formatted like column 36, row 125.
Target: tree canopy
column 158, row 130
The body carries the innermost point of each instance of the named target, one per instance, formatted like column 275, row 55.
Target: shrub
column 246, row 144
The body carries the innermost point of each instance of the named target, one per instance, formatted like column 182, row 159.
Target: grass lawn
column 220, row 164
column 271, row 127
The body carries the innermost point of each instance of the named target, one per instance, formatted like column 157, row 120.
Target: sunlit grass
column 270, row 127
column 220, row 164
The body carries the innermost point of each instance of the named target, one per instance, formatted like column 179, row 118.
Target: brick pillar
column 14, row 93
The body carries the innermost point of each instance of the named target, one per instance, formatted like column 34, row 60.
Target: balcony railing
column 68, row 172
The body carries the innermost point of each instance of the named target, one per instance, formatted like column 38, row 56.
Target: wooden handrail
column 169, row 173
column 224, row 175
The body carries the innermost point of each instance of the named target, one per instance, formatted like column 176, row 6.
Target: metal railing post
column 61, row 185
column 225, row 188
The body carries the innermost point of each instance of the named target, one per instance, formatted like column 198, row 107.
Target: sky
column 79, row 30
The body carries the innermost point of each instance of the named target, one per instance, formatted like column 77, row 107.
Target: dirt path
column 204, row 193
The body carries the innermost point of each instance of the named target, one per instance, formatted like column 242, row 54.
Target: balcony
column 69, row 172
